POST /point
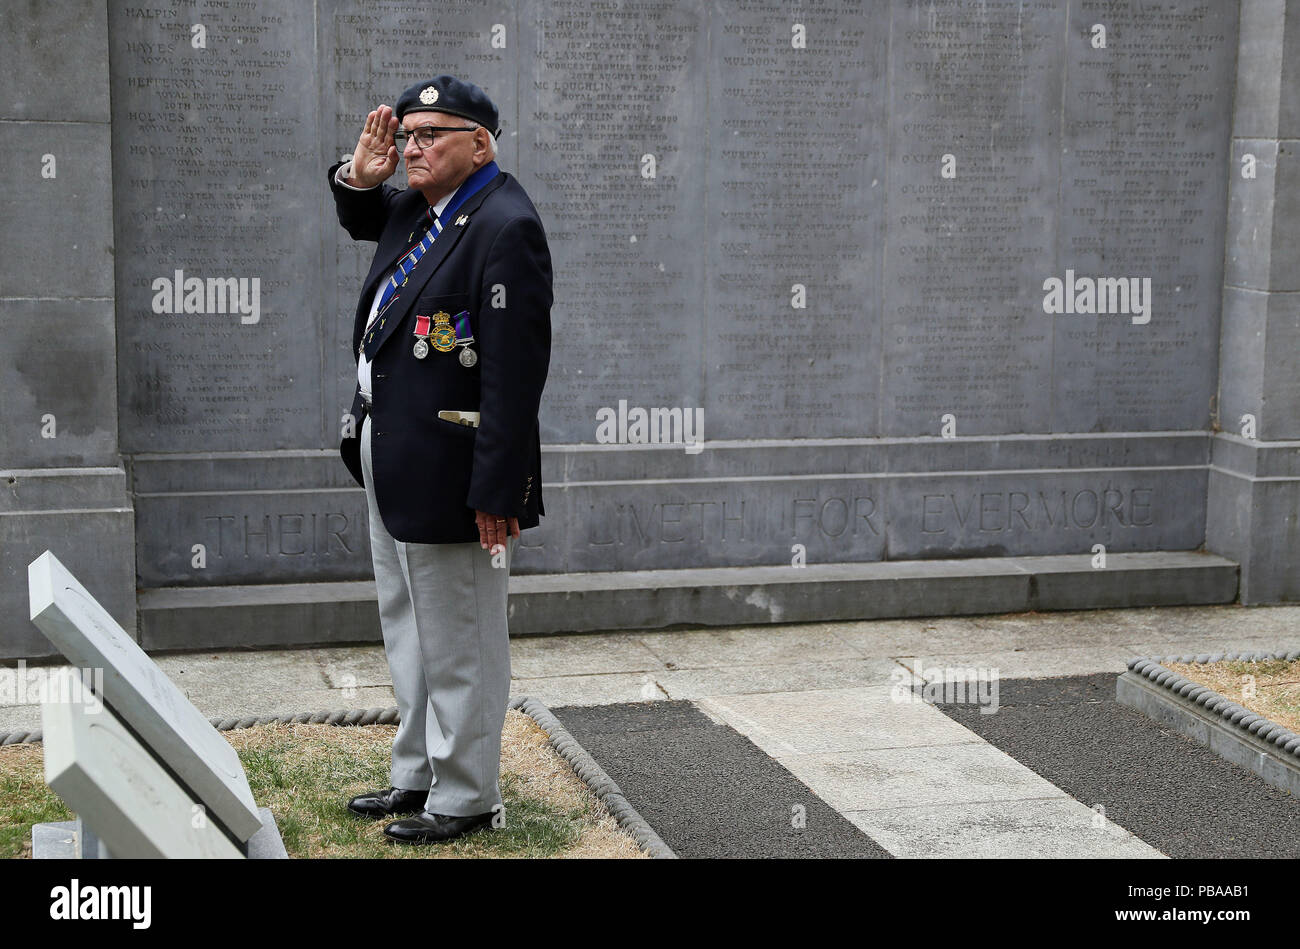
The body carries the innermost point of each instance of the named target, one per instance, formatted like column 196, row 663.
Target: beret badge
column 452, row 96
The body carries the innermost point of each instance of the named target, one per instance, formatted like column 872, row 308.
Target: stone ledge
column 1255, row 459
column 563, row 465
column 299, row 614
column 43, row 491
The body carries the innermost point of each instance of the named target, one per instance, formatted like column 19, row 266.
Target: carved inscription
column 796, row 183
column 214, row 144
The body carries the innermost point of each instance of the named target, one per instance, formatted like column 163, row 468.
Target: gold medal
column 442, row 336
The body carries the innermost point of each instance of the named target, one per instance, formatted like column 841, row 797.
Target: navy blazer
column 432, row 474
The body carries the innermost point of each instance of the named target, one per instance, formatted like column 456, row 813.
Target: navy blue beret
column 451, row 95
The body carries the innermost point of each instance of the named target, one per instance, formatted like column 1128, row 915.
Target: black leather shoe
column 426, row 828
column 379, row 804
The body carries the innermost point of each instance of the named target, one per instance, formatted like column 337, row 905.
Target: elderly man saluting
column 452, row 340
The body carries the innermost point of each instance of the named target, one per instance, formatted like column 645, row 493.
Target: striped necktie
column 428, row 229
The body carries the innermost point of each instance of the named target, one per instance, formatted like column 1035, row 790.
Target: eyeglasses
column 424, row 136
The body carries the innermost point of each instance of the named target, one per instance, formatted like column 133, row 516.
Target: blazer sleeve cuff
column 344, row 172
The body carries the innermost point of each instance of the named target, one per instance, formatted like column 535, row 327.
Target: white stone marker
column 145, row 699
column 115, row 786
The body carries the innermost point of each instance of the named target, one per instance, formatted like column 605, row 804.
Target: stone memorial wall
column 822, row 237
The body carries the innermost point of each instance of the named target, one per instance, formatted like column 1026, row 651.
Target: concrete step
column 320, row 613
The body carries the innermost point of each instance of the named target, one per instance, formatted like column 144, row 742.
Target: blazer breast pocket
column 449, row 303
column 455, row 428
column 437, row 329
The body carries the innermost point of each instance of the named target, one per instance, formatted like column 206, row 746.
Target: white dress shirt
column 363, row 364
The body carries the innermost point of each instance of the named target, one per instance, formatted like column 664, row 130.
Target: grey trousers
column 442, row 609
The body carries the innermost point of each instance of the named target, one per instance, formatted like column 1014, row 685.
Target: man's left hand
column 493, row 530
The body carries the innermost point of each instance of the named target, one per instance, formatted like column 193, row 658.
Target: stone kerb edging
column 594, row 776
column 1285, row 740
column 1195, row 711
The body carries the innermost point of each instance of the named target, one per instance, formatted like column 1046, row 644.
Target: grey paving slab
column 244, row 672
column 1223, row 622
column 1055, row 829
column 240, row 688
column 975, row 633
column 35, row 682
column 589, row 690
column 706, row 789
column 1189, row 645
column 1176, row 795
column 1063, row 629
column 787, row 723
column 356, row 666
column 533, row 656
column 293, row 701
column 1029, row 663
column 761, row 645
column 954, row 774
column 793, row 676
column 15, row 717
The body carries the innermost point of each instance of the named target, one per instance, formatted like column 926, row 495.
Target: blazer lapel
column 392, row 245
column 391, row 248
column 438, row 251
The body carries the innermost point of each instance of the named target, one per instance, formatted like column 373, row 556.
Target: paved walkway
column 820, row 700
column 916, row 781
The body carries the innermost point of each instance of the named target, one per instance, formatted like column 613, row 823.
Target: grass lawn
column 307, row 773
column 1276, row 685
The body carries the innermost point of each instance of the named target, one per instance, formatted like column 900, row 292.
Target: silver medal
column 468, row 357
column 421, row 349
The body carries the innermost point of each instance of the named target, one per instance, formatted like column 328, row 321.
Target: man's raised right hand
column 375, row 158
